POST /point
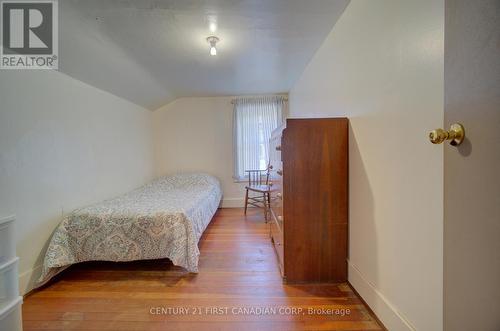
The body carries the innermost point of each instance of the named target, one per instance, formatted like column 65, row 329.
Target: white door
column 472, row 170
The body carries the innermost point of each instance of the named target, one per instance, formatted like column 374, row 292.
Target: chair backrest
column 258, row 177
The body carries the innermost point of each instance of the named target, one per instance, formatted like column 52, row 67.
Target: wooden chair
column 258, row 182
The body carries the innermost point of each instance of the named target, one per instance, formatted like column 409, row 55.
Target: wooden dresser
column 309, row 159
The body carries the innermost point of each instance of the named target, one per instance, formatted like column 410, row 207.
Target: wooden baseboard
column 385, row 311
column 27, row 280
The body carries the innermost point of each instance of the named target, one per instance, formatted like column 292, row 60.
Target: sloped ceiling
column 151, row 52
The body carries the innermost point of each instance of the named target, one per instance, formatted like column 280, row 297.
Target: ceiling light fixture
column 212, row 40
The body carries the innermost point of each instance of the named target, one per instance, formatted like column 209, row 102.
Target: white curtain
column 254, row 120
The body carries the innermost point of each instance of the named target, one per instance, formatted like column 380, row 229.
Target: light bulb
column 213, row 41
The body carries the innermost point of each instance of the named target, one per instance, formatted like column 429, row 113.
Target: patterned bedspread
column 164, row 219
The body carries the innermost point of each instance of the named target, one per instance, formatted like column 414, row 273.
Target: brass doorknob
column 456, row 135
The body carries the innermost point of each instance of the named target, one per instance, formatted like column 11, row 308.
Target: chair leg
column 269, row 204
column 266, row 207
column 246, row 201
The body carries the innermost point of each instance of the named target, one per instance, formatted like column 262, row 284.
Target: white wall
column 382, row 66
column 195, row 134
column 63, row 145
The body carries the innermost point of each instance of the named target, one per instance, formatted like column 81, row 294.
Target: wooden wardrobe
column 309, row 199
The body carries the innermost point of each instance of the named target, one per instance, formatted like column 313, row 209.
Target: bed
column 163, row 219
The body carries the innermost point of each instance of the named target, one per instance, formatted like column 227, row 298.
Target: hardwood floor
column 238, row 272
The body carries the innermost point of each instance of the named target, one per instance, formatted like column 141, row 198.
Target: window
column 254, row 120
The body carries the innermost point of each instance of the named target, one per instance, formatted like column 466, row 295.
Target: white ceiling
column 151, row 52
